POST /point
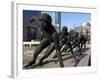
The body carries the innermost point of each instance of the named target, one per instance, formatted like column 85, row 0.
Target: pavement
column 50, row 62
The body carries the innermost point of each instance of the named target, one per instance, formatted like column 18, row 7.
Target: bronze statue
column 64, row 40
column 44, row 22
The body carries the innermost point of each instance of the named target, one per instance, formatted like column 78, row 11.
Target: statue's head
column 77, row 34
column 64, row 28
column 72, row 31
column 45, row 20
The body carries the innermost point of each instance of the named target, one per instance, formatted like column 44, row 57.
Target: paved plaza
column 51, row 62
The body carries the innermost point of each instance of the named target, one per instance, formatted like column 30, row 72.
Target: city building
column 83, row 28
column 30, row 32
column 56, row 20
column 33, row 32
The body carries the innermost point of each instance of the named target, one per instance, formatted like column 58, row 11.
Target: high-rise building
column 56, row 20
column 33, row 32
column 30, row 32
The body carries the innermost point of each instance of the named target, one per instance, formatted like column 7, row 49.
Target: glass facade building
column 33, row 32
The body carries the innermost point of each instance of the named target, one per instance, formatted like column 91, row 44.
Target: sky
column 68, row 19
column 73, row 18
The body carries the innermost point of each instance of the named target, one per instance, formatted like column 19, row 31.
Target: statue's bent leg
column 57, row 47
column 48, row 52
column 43, row 44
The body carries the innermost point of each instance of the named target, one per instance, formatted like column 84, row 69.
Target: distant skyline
column 68, row 19
column 71, row 18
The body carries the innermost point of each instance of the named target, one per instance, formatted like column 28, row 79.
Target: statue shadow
column 79, row 59
column 66, row 57
column 69, row 56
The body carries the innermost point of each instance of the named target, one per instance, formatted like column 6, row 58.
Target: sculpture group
column 63, row 41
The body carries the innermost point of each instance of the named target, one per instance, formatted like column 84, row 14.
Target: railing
column 31, row 43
